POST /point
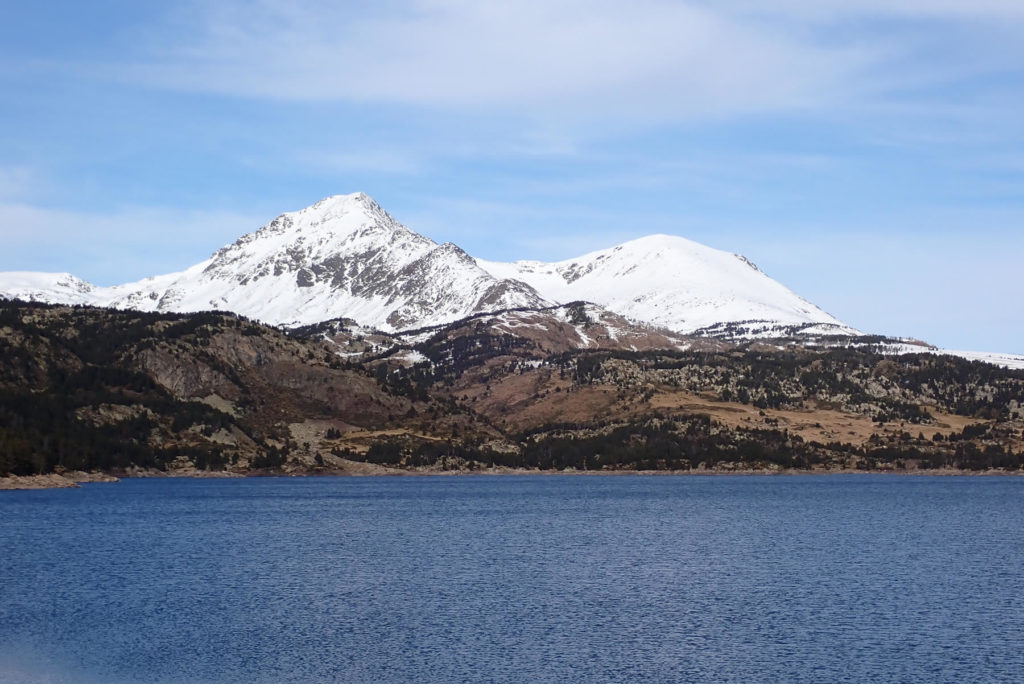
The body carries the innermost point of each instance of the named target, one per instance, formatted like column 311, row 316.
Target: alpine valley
column 336, row 340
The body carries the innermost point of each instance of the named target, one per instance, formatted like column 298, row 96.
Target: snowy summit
column 347, row 257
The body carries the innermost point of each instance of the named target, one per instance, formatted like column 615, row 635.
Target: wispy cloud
column 385, row 161
column 15, row 181
column 980, row 10
column 654, row 56
column 542, row 58
column 117, row 246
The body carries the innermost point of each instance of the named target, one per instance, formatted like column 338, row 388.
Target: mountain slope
column 342, row 257
column 673, row 283
column 51, row 288
column 345, row 257
column 87, row 388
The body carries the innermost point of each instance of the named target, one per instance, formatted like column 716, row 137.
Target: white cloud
column 536, row 58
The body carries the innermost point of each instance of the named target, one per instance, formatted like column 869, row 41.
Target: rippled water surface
column 545, row 578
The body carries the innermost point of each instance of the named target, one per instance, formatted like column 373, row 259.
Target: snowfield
column 670, row 282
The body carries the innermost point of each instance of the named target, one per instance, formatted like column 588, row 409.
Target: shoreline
column 74, row 480
column 67, row 480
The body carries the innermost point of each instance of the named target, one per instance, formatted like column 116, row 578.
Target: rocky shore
column 73, row 479
column 66, row 480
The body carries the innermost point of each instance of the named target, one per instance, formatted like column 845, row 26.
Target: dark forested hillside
column 96, row 389
column 121, row 391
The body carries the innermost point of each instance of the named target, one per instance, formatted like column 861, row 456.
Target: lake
column 516, row 579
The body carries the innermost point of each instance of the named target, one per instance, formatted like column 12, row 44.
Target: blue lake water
column 519, row 579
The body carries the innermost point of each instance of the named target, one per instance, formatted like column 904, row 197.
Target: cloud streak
column 653, row 60
column 831, row 10
column 107, row 248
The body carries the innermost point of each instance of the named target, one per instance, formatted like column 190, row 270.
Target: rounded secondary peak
column 30, row 279
column 660, row 240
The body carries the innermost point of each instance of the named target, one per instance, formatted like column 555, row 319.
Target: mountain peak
column 342, row 256
column 341, row 202
column 659, row 240
column 671, row 282
column 336, row 220
column 46, row 287
column 354, row 206
column 345, row 256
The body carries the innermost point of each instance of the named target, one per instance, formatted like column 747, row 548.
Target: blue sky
column 869, row 157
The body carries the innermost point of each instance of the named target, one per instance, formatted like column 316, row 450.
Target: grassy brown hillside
column 735, row 407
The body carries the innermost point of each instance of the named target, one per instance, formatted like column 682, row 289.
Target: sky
column 867, row 154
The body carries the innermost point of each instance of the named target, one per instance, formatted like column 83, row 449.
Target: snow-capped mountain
column 676, row 284
column 347, row 257
column 343, row 256
column 57, row 288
